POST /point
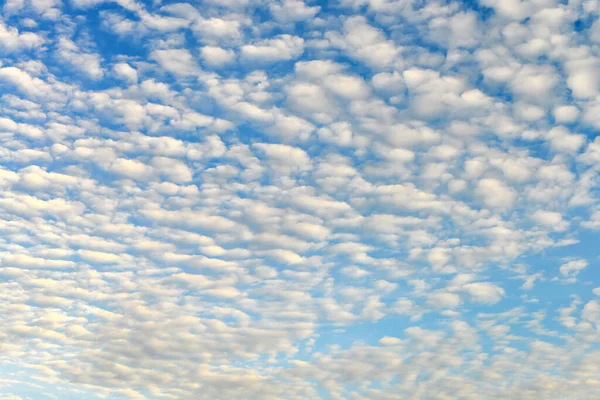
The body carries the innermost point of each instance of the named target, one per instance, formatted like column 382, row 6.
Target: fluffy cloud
column 85, row 62
column 280, row 48
column 12, row 40
column 125, row 71
column 216, row 56
column 573, row 268
column 292, row 10
column 177, row 61
column 495, row 193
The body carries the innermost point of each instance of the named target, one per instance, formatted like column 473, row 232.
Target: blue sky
column 296, row 199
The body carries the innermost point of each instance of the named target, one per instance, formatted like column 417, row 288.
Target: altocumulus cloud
column 299, row 199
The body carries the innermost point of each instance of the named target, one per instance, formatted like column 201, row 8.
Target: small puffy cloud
column 444, row 152
column 339, row 133
column 573, row 268
column 565, row 114
column 215, row 30
column 309, row 98
column 495, row 193
column 85, row 62
column 216, row 56
column 529, row 112
column 367, row 43
column 562, row 140
column 443, row 300
column 172, row 169
column 22, row 80
column 27, row 261
column 390, row 341
column 438, row 257
column 50, row 301
column 11, row 40
column 285, row 256
column 131, row 168
column 317, row 69
column 162, row 23
column 291, row 127
column 398, row 155
column 550, row 219
column 126, row 72
column 511, row 9
column 176, row 61
column 264, row 272
column 593, row 222
column 389, row 83
column 226, row 292
column 483, row 292
column 98, row 257
column 583, row 77
column 478, row 292
column 424, row 337
column 346, row 86
column 285, row 155
column 355, row 272
column 292, row 10
column 464, row 28
column 591, row 155
column 535, row 82
column 280, row 48
column 308, row 230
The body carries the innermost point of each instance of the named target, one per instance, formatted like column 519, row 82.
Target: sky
column 299, row 200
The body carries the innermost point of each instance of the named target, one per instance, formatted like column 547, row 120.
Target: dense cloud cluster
column 299, row 199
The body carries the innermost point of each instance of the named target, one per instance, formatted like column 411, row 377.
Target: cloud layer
column 353, row 199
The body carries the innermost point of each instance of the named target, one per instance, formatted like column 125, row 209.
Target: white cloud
column 285, row 155
column 514, row 9
column 444, row 300
column 484, row 292
column 308, row 97
column 389, row 83
column 11, row 40
column 535, row 82
column 85, row 62
column 563, row 141
column 26, row 261
column 174, row 170
column 98, row 257
column 26, row 83
column 216, row 56
column 350, row 87
column 131, row 168
column 573, row 268
column 550, row 219
column 367, row 44
column 495, row 193
column 239, row 185
column 125, row 71
column 583, row 77
column 177, row 61
column 292, row 10
column 565, row 114
column 281, row 48
column 217, row 29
